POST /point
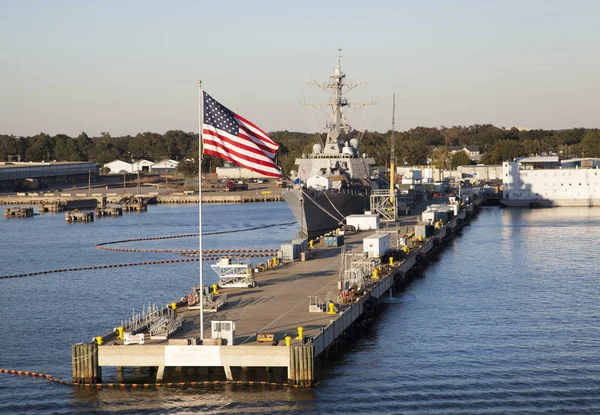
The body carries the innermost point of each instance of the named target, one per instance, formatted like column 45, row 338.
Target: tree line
column 416, row 146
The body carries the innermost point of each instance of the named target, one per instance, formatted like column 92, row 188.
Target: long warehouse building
column 31, row 176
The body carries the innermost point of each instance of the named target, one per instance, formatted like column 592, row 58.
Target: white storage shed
column 376, row 245
column 366, row 222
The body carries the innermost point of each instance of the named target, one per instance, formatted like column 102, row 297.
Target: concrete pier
column 135, row 204
column 277, row 305
column 53, row 207
column 13, row 213
column 77, row 216
column 109, row 211
column 109, row 196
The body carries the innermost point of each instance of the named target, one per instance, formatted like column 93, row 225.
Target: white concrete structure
column 526, row 184
column 366, row 222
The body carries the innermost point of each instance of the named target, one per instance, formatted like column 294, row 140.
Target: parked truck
column 231, row 186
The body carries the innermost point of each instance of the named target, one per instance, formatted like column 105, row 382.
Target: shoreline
column 255, row 194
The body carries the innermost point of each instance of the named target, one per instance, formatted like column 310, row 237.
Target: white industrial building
column 142, row 166
column 238, row 173
column 164, row 166
column 118, row 167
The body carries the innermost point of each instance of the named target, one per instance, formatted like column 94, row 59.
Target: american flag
column 231, row 137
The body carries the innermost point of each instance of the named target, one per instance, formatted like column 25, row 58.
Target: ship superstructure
column 335, row 180
column 548, row 181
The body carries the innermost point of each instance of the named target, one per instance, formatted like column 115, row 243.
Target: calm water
column 506, row 320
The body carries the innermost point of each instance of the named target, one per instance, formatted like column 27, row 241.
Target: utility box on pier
column 223, row 330
column 424, row 230
column 376, row 245
column 443, row 212
column 337, row 240
column 303, row 242
column 290, row 251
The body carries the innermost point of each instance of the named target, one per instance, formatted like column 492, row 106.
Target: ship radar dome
column 354, row 143
column 317, row 148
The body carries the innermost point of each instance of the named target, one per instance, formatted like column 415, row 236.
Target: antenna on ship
column 393, row 152
column 337, row 86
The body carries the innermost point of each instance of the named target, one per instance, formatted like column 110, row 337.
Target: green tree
column 85, row 145
column 590, row 144
column 460, row 158
column 8, row 147
column 440, row 158
column 66, row 148
column 42, row 149
column 503, row 150
column 188, row 168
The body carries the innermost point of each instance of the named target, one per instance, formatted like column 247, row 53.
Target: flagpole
column 201, row 121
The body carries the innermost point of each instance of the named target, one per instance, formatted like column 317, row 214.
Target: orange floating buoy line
column 96, row 267
column 194, row 384
column 216, row 253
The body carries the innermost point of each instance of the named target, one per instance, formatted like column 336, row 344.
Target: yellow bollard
column 420, row 238
column 331, row 309
column 375, row 274
column 99, row 340
column 215, row 289
column 174, row 306
column 391, row 260
column 311, row 244
column 274, row 261
column 288, row 340
column 120, row 333
column 300, row 331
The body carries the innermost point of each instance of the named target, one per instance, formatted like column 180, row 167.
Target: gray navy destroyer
column 335, row 180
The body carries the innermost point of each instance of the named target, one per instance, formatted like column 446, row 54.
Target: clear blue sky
column 133, row 66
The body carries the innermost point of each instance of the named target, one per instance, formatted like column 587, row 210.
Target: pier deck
column 279, row 304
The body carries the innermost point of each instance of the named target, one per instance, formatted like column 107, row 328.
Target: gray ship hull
column 319, row 211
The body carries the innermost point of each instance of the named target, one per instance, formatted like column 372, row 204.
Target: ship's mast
column 337, row 102
column 338, row 86
column 392, row 148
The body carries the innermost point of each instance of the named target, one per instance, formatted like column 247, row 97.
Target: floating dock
column 288, row 321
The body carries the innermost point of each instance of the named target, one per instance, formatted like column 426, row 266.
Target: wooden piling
column 302, row 365
column 85, row 363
